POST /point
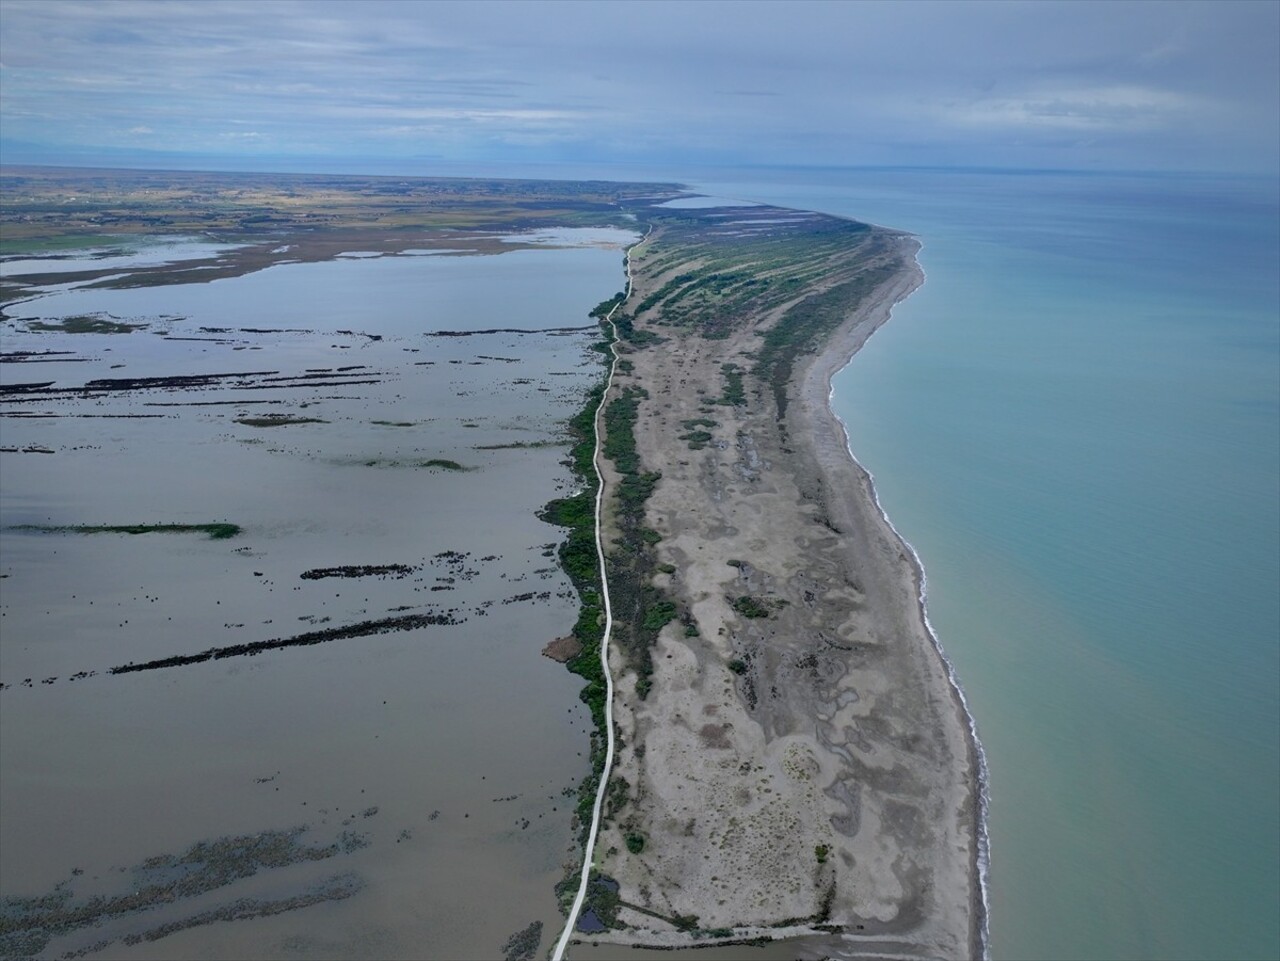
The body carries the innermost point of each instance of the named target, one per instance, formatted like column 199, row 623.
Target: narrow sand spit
column 803, row 764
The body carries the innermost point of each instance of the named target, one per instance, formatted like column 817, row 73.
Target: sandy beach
column 802, row 764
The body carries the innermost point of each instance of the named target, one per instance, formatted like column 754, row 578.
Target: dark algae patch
column 386, row 625
column 216, row 531
column 523, row 945
column 359, row 570
column 28, row 924
column 278, row 420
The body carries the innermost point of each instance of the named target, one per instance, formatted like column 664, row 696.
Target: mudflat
column 795, row 758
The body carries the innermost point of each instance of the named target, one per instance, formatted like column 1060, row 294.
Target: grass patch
column 697, row 439
column 750, row 607
column 86, row 324
column 734, row 395
column 659, row 615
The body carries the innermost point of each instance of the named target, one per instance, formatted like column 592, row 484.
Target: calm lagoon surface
column 1076, row 423
column 392, row 794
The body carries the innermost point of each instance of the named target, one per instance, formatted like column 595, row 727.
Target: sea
column 1076, row 424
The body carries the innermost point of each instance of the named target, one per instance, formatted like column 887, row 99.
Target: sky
column 400, row 86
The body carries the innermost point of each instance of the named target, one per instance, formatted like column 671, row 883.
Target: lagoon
column 360, row 797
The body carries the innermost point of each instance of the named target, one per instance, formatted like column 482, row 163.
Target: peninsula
column 791, row 757
column 794, row 756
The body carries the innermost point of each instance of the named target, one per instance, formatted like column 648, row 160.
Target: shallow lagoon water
column 428, row 767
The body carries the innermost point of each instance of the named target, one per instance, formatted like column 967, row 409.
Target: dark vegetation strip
column 507, row 330
column 407, row 622
column 217, row 531
column 806, row 325
column 278, row 420
column 359, row 570
column 579, row 559
column 27, row 925
column 641, row 610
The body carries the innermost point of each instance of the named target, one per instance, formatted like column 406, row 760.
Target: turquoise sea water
column 1076, row 422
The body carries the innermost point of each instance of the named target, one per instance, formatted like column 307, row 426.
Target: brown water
column 398, row 794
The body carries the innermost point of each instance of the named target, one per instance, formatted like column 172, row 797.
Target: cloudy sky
column 327, row 83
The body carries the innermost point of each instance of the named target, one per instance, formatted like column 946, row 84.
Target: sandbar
column 798, row 760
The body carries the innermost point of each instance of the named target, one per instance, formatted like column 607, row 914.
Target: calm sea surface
column 1076, row 423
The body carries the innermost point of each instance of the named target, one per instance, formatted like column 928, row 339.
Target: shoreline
column 843, row 729
column 831, row 366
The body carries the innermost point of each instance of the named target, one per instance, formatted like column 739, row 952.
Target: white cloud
column 1098, row 108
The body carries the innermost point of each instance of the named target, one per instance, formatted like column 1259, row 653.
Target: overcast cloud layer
column 1151, row 85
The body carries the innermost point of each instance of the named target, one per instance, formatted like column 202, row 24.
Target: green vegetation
column 804, row 327
column 641, row 610
column 821, row 852
column 580, row 561
column 729, row 275
column 625, row 325
column 659, row 615
column 602, row 310
column 635, row 842
column 697, row 439
column 86, row 324
column 216, row 531
column 750, row 607
column 444, row 464
column 734, row 394
column 602, row 899
column 617, row 796
column 738, row 666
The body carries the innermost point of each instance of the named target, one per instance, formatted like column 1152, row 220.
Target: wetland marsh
column 287, row 702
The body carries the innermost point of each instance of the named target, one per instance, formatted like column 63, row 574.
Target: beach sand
column 804, row 765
